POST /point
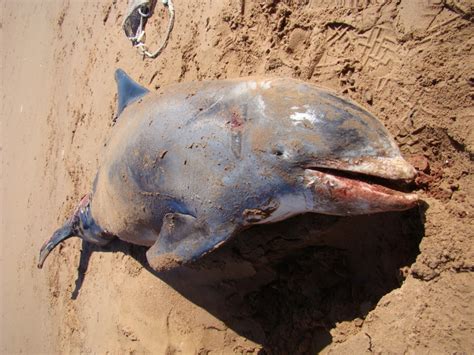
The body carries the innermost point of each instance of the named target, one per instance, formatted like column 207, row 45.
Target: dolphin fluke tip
column 63, row 233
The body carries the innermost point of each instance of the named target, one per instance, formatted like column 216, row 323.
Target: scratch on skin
column 237, row 123
column 203, row 111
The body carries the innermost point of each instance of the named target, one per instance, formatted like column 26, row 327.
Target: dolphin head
column 337, row 151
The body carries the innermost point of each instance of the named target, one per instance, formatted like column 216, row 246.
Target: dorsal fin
column 128, row 90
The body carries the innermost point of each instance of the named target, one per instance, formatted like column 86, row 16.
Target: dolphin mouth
column 347, row 192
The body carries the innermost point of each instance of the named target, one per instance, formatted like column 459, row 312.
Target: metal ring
column 147, row 13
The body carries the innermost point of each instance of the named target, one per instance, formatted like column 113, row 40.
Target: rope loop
column 138, row 38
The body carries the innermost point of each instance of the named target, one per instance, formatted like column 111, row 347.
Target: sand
column 388, row 283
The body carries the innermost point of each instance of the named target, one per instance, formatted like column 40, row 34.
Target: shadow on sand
column 286, row 285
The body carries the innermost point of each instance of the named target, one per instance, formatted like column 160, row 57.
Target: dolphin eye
column 278, row 152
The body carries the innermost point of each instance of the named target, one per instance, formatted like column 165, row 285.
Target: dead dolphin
column 189, row 167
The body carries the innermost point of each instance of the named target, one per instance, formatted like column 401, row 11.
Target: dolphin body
column 189, row 167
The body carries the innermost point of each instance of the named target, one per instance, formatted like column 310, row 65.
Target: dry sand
column 393, row 283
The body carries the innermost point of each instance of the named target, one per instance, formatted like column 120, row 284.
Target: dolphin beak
column 391, row 168
column 361, row 187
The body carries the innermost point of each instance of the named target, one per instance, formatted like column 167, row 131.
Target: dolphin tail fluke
column 63, row 233
column 81, row 225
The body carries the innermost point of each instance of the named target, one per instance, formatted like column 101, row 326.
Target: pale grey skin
column 192, row 165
